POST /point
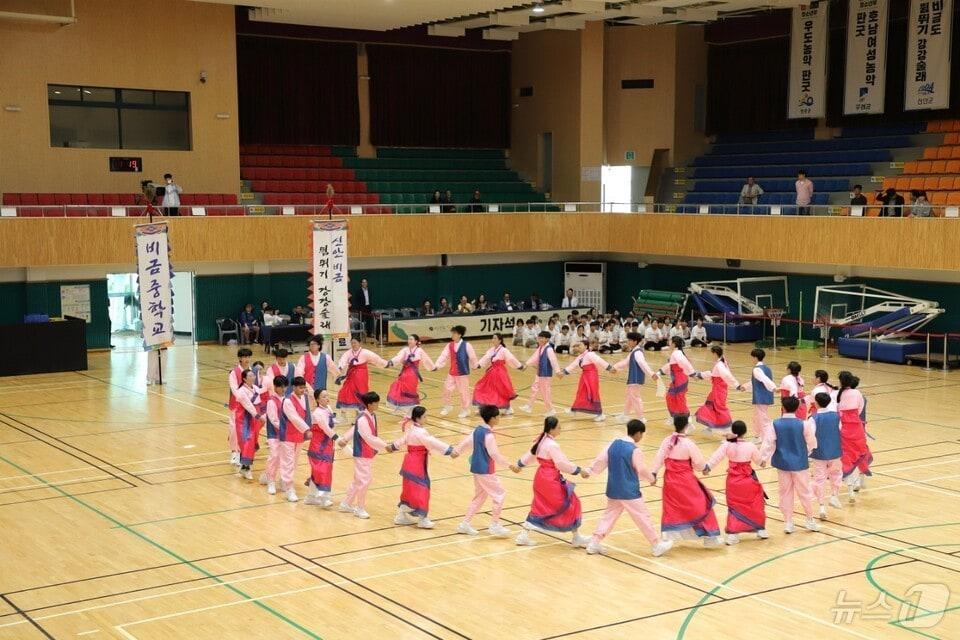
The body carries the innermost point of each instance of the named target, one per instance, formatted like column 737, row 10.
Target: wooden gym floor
column 122, row 519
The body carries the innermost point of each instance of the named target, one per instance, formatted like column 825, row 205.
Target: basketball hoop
column 775, row 316
column 823, row 323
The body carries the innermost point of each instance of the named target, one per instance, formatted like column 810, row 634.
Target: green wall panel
column 44, row 297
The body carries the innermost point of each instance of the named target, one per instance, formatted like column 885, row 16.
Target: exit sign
column 630, row 155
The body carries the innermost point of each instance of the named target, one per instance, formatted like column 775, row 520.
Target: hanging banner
column 328, row 287
column 866, row 72
column 808, row 62
column 928, row 55
column 154, row 276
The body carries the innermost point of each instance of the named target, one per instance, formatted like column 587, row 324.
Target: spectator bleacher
column 85, row 205
column 938, row 172
column 773, row 159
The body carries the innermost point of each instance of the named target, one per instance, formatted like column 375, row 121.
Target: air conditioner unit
column 588, row 281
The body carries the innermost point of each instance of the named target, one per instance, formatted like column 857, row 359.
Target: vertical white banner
column 154, row 275
column 865, row 82
column 328, row 288
column 928, row 55
column 808, row 62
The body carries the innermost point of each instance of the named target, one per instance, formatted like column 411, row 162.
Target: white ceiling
column 500, row 20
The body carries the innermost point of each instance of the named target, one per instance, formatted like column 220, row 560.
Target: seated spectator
column 476, row 202
column 919, row 205
column 609, row 337
column 448, row 201
column 562, row 342
column 482, row 304
column 249, row 325
column 683, row 330
column 751, row 192
column 530, row 332
column 653, row 339
column 857, row 199
column 444, row 309
column 427, row 310
column 271, row 317
column 535, row 301
column 519, row 333
column 464, row 305
column 569, row 300
column 698, row 335
column 892, row 203
column 506, row 304
column 264, row 308
column 437, row 198
column 298, row 315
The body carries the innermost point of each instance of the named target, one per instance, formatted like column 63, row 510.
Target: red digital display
column 130, row 165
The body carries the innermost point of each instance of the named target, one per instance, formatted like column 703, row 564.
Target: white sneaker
column 812, row 525
column 247, row 474
column 621, row 418
column 852, row 496
column 600, row 418
column 361, row 513
column 466, row 529
column 569, row 410
column 498, row 530
column 235, row 458
column 861, row 482
column 508, row 411
column 550, row 414
column 445, row 411
column 762, row 534
column 523, row 539
column 593, row 548
column 345, row 508
column 733, row 539
column 312, row 498
column 425, row 523
column 272, row 488
column 292, row 495
column 403, row 518
column 264, row 480
column 662, row 547
column 326, row 503
column 823, row 512
column 579, row 541
column 712, row 541
column 526, row 408
column 464, row 413
column 788, row 527
column 835, row 502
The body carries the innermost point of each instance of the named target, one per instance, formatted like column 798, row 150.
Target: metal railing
column 199, row 211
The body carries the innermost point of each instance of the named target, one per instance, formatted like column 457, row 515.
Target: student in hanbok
column 320, row 452
column 462, row 358
column 787, row 445
column 827, row 457
column 687, row 504
column 494, row 386
column 623, row 461
column 680, row 370
column 823, row 386
column 545, row 360
column 234, row 382
column 295, row 420
column 355, row 380
column 587, row 399
column 280, row 389
column 484, row 457
column 414, row 505
column 715, row 414
column 638, row 370
column 366, row 444
column 792, row 385
column 762, row 388
column 746, row 505
column 555, row 507
column 856, row 456
column 404, row 392
column 247, row 421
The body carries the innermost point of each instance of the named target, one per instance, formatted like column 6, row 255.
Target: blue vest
column 622, row 480
column 791, row 452
column 319, row 374
column 635, row 374
column 760, row 393
column 480, row 462
column 828, row 435
column 544, row 368
column 282, row 427
column 463, row 359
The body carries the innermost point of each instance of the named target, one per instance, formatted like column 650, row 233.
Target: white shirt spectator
column 562, row 339
column 698, row 333
column 750, row 193
column 568, row 303
column 651, row 335
column 171, row 195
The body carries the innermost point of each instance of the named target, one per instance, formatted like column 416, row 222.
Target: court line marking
column 170, row 553
column 7, row 490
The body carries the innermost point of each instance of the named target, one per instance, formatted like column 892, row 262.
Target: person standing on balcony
column 804, row 193
column 751, row 192
column 171, row 196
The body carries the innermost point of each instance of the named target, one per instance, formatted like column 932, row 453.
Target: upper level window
column 102, row 118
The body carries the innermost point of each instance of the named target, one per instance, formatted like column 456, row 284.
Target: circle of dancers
column 823, row 430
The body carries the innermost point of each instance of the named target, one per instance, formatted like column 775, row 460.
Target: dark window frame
column 120, row 106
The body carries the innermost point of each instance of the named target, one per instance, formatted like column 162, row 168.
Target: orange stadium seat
column 910, row 166
column 937, row 166
column 923, row 166
column 952, row 138
column 953, row 198
column 931, row 153
column 933, row 126
column 903, row 184
column 944, row 153
column 916, row 183
column 931, row 184
column 890, row 182
column 938, row 198
column 955, row 152
column 946, row 183
column 953, row 166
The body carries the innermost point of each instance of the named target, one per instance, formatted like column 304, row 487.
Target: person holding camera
column 171, row 196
